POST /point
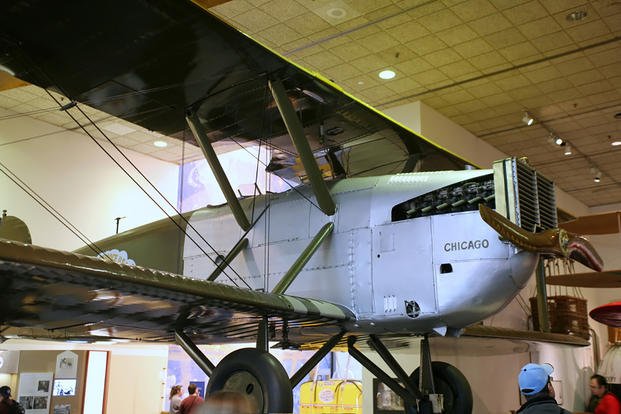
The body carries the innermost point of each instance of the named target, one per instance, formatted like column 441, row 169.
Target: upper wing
column 150, row 61
column 52, row 294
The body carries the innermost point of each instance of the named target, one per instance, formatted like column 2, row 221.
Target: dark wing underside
column 51, row 294
column 151, row 61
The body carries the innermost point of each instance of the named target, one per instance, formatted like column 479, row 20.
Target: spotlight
column 527, row 119
column 597, row 174
column 559, row 141
column 567, row 150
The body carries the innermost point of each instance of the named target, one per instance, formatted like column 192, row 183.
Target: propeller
column 556, row 241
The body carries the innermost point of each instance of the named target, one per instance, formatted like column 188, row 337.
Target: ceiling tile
column 408, row 32
column 488, row 61
column 351, row 51
column 459, row 69
column 473, row 9
column 281, row 10
column 540, row 27
column 379, row 41
column 474, row 47
column 588, row 31
column 255, row 19
column 519, row 51
column 232, row 8
column 457, row 35
column 442, row 57
column 307, row 24
column 554, row 41
column 525, row 13
column 585, row 77
column 279, row 35
column 414, row 66
column 426, row 45
column 490, row 24
column 505, row 38
column 441, row 20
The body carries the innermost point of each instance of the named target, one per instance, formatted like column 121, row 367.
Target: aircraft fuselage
column 438, row 271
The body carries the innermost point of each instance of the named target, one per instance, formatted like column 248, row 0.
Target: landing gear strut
column 434, row 387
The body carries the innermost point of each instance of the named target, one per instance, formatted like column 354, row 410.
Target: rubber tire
column 265, row 368
column 449, row 381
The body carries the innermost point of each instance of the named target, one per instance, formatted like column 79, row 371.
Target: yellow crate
column 331, row 397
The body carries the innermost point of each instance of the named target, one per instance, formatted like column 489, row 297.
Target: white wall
column 70, row 172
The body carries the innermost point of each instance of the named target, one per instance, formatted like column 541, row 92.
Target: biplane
column 391, row 237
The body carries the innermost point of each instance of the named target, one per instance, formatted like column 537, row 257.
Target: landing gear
column 255, row 373
column 453, row 386
column 420, row 391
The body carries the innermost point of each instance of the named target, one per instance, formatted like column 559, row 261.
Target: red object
column 608, row 314
column 608, row 404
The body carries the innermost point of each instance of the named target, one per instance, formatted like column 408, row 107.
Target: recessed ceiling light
column 387, row 74
column 160, row 143
column 615, row 143
column 576, row 16
column 336, row 12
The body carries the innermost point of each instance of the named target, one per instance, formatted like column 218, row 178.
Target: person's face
column 596, row 389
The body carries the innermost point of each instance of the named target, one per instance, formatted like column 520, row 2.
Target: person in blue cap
column 535, row 383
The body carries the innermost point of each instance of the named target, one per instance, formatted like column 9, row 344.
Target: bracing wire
column 144, row 190
column 50, row 209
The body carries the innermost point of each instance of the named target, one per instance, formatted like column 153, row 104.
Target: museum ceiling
column 481, row 63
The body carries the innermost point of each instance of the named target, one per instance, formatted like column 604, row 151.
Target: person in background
column 227, row 402
column 602, row 401
column 190, row 402
column 175, row 399
column 5, row 400
column 535, row 383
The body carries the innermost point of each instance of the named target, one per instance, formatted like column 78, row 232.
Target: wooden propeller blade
column 606, row 223
column 607, row 279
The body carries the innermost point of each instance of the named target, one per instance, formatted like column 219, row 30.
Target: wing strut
column 304, row 257
column 218, row 171
column 222, row 263
column 194, row 352
column 296, row 131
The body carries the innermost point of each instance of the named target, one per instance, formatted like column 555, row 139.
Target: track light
column 567, row 150
column 597, row 174
column 527, row 119
column 559, row 141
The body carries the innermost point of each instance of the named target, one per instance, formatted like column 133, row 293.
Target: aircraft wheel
column 257, row 374
column 450, row 382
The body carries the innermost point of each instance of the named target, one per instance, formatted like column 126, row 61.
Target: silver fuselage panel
column 414, row 275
